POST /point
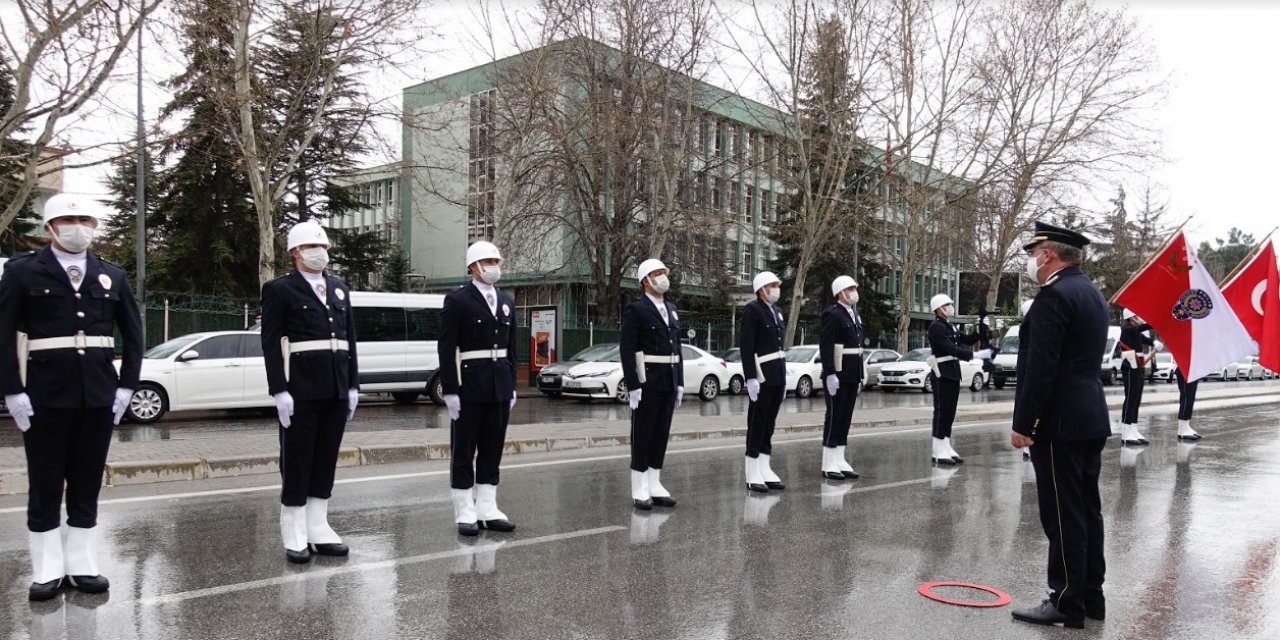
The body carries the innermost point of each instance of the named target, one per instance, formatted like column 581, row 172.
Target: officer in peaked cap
column 843, row 373
column 947, row 345
column 653, row 370
column 309, row 346
column 58, row 310
column 478, row 372
column 764, row 367
column 1060, row 412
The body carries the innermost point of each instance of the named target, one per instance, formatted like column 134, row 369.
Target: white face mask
column 772, row 294
column 948, row 310
column 315, row 258
column 75, row 238
column 1033, row 269
column 661, row 284
column 853, row 298
column 490, row 274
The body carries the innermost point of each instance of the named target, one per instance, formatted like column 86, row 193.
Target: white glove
column 753, row 389
column 19, row 405
column 454, row 404
column 679, row 396
column 353, row 399
column 1159, row 346
column 284, row 407
column 986, row 320
column 513, row 401
column 833, row 384
column 123, row 396
column 984, row 354
column 633, row 398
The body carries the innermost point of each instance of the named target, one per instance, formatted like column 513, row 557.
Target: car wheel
column 148, row 404
column 1108, row 378
column 736, row 386
column 804, row 388
column 620, row 395
column 709, row 389
column 405, row 397
column 976, row 383
column 436, row 391
column 928, row 384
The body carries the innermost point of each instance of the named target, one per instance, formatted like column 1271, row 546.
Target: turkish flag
column 1177, row 296
column 1254, row 294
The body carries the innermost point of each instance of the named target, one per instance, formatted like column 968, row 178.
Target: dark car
column 550, row 377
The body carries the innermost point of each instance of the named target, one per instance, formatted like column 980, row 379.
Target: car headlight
column 598, row 374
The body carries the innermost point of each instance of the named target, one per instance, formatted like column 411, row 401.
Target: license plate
column 549, row 379
column 572, row 385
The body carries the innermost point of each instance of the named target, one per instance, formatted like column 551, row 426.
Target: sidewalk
column 215, row 457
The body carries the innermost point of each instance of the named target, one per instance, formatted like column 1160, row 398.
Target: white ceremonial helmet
column 763, row 279
column 647, row 267
column 939, row 301
column 69, row 204
column 482, row 251
column 1126, row 314
column 1026, row 306
column 842, row 283
column 306, row 232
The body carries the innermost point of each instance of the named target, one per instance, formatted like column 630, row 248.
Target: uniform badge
column 104, row 280
column 342, row 295
column 506, row 310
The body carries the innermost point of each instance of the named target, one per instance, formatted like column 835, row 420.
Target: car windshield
column 917, row 355
column 597, row 353
column 166, row 349
column 732, row 355
column 800, row 354
column 1009, row 344
column 1164, row 358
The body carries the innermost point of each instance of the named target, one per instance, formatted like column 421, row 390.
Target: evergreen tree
column 21, row 234
column 117, row 235
column 1228, row 253
column 395, row 274
column 358, row 256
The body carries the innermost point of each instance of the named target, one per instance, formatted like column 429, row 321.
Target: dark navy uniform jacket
column 36, row 297
column 467, row 325
column 1133, row 338
column 945, row 340
column 291, row 308
column 838, row 328
column 1059, row 394
column 762, row 332
column 644, row 330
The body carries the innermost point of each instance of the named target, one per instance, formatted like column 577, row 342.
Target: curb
column 13, row 481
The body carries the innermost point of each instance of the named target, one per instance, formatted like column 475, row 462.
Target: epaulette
column 105, row 261
column 21, row 255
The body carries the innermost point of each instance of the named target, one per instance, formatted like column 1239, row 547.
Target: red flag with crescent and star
column 1176, row 295
column 1254, row 294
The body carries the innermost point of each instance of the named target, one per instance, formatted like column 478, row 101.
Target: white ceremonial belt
column 482, row 354
column 839, row 352
column 332, row 344
column 78, row 341
column 768, row 357
column 652, row 359
column 934, row 361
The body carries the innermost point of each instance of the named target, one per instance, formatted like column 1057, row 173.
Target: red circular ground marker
column 927, row 588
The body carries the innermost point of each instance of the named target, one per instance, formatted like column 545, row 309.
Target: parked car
column 733, row 360
column 1005, row 362
column 912, row 372
column 210, row 370
column 804, row 370
column 875, row 361
column 551, row 377
column 1164, row 368
column 1249, row 369
column 601, row 377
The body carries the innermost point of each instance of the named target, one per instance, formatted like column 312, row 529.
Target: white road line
column 358, row 568
column 877, row 487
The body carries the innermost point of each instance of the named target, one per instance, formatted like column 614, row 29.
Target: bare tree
column 59, row 54
column 1065, row 84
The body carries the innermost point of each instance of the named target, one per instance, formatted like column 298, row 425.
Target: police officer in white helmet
column 764, row 367
column 478, row 373
column 945, row 342
column 309, row 347
column 653, row 371
column 58, row 310
column 843, row 373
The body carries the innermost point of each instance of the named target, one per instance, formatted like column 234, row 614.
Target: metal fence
column 172, row 315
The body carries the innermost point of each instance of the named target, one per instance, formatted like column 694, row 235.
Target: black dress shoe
column 852, row 475
column 89, row 584
column 329, row 548
column 1135, row 443
column 1096, row 611
column 1190, row 438
column 663, row 501
column 776, row 485
column 950, row 461
column 759, row 488
column 298, row 557
column 643, row 505
column 503, row 526
column 833, row 475
column 469, row 529
column 41, row 591
column 957, row 459
column 1046, row 613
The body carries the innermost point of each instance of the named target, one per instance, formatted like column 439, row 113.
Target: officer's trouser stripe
column 1057, row 505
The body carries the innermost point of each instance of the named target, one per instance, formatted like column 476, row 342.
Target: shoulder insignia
column 21, row 255
column 108, row 262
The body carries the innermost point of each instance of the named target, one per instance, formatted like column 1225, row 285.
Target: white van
column 1110, row 371
column 1006, row 362
column 396, row 334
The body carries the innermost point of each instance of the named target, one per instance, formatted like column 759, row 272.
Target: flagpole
column 1149, row 260
column 1248, row 257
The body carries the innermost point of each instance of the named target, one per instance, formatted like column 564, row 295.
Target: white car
column 1164, row 368
column 876, row 360
column 804, row 370
column 912, row 372
column 1249, row 369
column 212, row 370
column 602, row 377
column 737, row 381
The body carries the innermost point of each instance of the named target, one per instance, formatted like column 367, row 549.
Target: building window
column 750, row 202
column 734, row 209
column 748, row 261
column 481, row 222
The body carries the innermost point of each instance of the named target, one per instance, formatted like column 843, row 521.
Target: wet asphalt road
column 378, row 413
column 1193, row 536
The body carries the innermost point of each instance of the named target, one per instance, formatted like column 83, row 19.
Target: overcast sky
column 1220, row 123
